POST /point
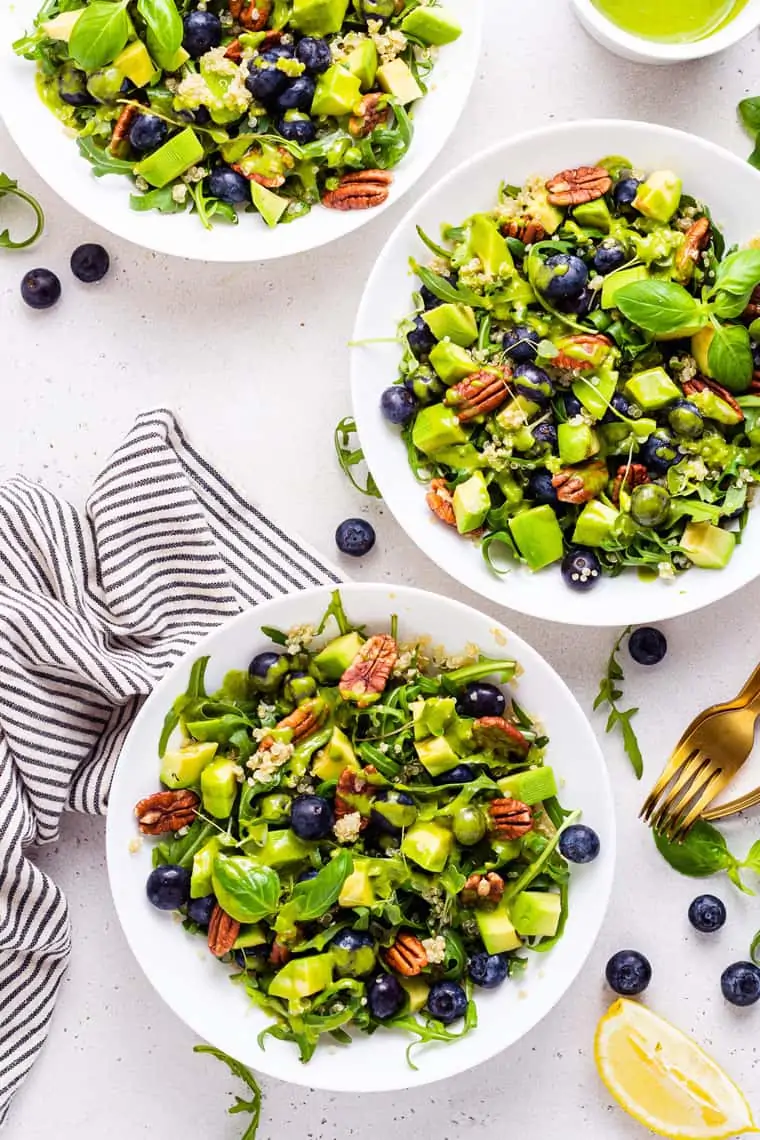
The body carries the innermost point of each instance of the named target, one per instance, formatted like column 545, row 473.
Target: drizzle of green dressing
column 670, row 21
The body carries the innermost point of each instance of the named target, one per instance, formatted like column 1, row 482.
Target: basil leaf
column 314, row 897
column 247, row 891
column 729, row 357
column 660, row 307
column 753, row 858
column 729, row 305
column 739, row 273
column 164, row 27
column 703, row 852
column 99, row 34
column 754, row 158
column 754, row 949
column 749, row 113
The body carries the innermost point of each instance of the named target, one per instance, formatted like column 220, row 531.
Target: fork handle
column 731, row 807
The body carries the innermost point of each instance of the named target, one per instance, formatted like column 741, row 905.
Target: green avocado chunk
column 538, row 536
column 332, row 661
column 136, row 63
column 709, row 547
column 616, row 281
column 176, row 156
column 451, row 362
column 428, row 845
column 435, row 427
column 453, row 321
column 659, row 196
column 595, row 392
column 219, row 786
column 530, row 787
column 486, row 243
column 203, row 866
column 536, row 914
column 516, row 414
column 271, row 206
column 302, row 977
column 436, row 755
column 652, row 389
column 280, row 849
column 318, row 17
column 182, row 767
column 337, row 92
column 362, row 62
column 497, row 930
column 396, row 79
column 577, row 441
column 357, row 889
column 595, row 524
column 594, row 215
column 471, row 503
column 431, row 26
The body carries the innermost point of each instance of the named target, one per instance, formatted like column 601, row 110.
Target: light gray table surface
column 254, row 360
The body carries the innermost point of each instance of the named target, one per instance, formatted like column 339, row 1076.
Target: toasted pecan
column 499, row 735
column 407, row 955
column 252, row 14
column 511, row 818
column 478, row 394
column 303, row 721
column 576, row 186
column 278, row 954
column 352, row 785
column 234, row 51
column 752, row 312
column 699, row 383
column 359, row 190
column 122, row 126
column 223, row 931
column 373, row 111
column 440, row 501
column 368, row 673
column 270, row 182
column 580, row 484
column 629, row 475
column 584, row 342
column 166, row 811
column 526, row 230
column 697, row 238
column 487, row 888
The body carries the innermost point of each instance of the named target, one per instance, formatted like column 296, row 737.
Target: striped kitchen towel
column 94, row 608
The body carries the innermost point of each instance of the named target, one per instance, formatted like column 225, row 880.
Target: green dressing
column 670, row 21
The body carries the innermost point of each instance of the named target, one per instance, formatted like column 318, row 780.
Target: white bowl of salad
column 229, row 131
column 556, row 377
column 385, row 825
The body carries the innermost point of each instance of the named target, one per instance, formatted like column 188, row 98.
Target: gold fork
column 706, row 758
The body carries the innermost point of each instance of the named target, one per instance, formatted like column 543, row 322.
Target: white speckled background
column 255, row 362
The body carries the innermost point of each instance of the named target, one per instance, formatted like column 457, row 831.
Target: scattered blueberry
column 262, row 663
column 541, row 489
column 488, row 970
column 201, row 115
column 298, row 130
column 481, row 698
column 647, row 646
column 355, row 537
column 311, row 817
column 306, row 875
column 581, row 568
column 298, row 95
column 707, row 913
column 90, row 262
column 609, row 255
column 168, row 887
column 392, row 811
column 462, row 774
column 533, row 382
column 580, row 306
column 266, row 83
column 227, row 185
column 628, row 972
column 579, row 844
column 740, row 983
column 625, row 192
column 545, row 432
column 148, row 132
column 385, row 996
column 659, row 452
column 244, row 957
column 200, row 910
column 520, row 343
column 573, row 406
column 425, row 385
column 40, row 288
column 398, row 404
column 685, row 419
column 446, row 1002
column 621, row 405
column 202, row 32
column 420, row 339
column 314, row 54
column 564, row 276
column 354, row 953
column 278, row 51
column 72, row 86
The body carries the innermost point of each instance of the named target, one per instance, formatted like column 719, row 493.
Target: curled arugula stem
column 10, row 187
column 349, row 457
column 609, row 694
column 253, row 1106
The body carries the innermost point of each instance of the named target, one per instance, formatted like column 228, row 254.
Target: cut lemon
column 664, row 1080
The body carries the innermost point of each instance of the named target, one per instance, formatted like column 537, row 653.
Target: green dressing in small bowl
column 670, row 21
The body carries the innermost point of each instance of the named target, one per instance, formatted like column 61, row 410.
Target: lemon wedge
column 664, row 1080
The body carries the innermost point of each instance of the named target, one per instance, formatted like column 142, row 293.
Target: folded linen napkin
column 94, row 608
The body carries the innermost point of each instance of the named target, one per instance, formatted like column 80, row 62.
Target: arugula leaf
column 161, row 200
column 730, row 357
column 445, row 291
column 180, row 852
column 253, row 1106
column 314, row 897
column 275, row 635
column 702, row 852
column 9, row 186
column 349, row 457
column 660, row 307
column 335, row 610
column 102, row 161
column 609, row 694
column 100, row 33
column 438, row 250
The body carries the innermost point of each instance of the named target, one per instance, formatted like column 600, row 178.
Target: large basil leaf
column 749, row 112
column 729, row 305
column 100, row 33
column 660, row 307
column 753, row 858
column 729, row 357
column 739, row 273
column 164, row 27
column 314, row 897
column 703, row 852
column 247, row 891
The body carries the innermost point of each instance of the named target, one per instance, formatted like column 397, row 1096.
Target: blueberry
column 580, row 306
column 148, row 132
column 314, row 54
column 533, row 382
column 446, row 1002
column 297, row 130
column 563, row 276
column 685, row 419
column 201, row 115
column 298, row 95
column 72, row 86
column 425, row 385
column 392, row 811
column 462, row 774
column 420, row 339
column 385, row 996
column 581, row 568
column 546, row 433
column 707, row 913
column 278, row 51
column 90, row 262
column 488, row 970
column 168, row 887
column 262, row 663
column 355, row 537
column 202, row 32
column 306, row 875
column 354, row 953
column 573, row 406
column 352, row 940
column 481, row 698
column 311, row 817
column 40, row 288
column 540, row 488
column 266, row 83
column 398, row 404
column 227, row 185
column 621, row 405
column 659, row 452
column 647, row 645
column 579, row 844
column 200, row 910
column 740, row 983
column 609, row 255
column 628, row 973
column 624, row 192
column 520, row 343
column 245, row 957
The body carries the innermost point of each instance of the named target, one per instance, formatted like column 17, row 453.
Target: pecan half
column 121, row 127
column 279, row 954
column 373, row 111
column 629, row 475
column 303, row 721
column 252, row 14
column 351, row 789
column 580, row 484
column 498, row 735
column 166, row 811
column 368, row 673
column 511, row 818
column 525, row 230
column 478, row 394
column 271, row 182
column 482, row 889
column 579, row 185
column 699, row 383
column 359, row 190
column 579, row 351
column 752, row 312
column 697, row 238
column 440, row 501
column 407, row 955
column 222, row 932
column 234, row 51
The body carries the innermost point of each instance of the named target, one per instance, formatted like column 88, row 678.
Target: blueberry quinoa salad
column 277, row 104
column 580, row 380
column 364, row 830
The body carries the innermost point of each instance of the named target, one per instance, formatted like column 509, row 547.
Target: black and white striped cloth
column 94, row 608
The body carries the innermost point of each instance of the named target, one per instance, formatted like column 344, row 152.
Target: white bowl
column 727, row 184
column 53, row 153
column 642, row 50
column 197, row 987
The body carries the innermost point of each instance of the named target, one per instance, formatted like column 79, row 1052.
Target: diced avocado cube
column 452, row 321
column 516, row 413
column 62, row 25
column 595, row 392
column 362, row 62
column 203, row 866
column 577, row 441
column 436, row 426
column 471, row 503
column 708, row 546
column 176, row 156
column 652, row 389
column 271, row 206
column 541, row 210
column 659, row 196
column 530, row 787
column 436, row 755
column 396, row 79
column 417, row 990
column 619, row 280
column 337, row 92
column 332, row 661
column 713, row 407
column 538, row 536
column 357, row 889
column 219, row 784
column 302, row 977
column 318, row 17
column 594, row 215
column 464, row 457
column 433, row 716
column 595, row 524
column 281, row 849
column 496, row 930
column 428, row 845
column 249, row 937
column 451, row 362
column 431, row 26
column 516, row 292
column 275, row 808
column 644, row 427
column 509, row 487
column 182, row 767
column 486, row 242
column 536, row 914
column 136, row 63
column 335, row 757
column 700, row 348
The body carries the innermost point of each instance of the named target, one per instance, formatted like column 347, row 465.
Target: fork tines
column 681, row 794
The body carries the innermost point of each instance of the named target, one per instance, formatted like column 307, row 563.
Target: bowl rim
column 739, row 26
